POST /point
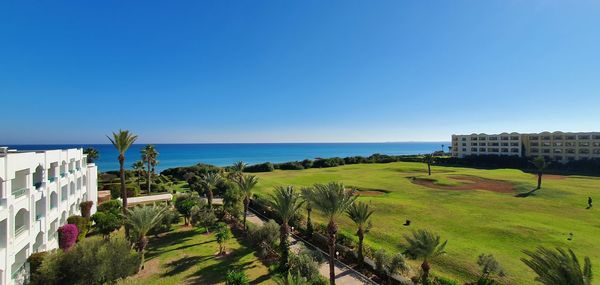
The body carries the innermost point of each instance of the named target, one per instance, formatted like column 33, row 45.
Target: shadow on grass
column 527, row 194
column 160, row 245
column 180, row 265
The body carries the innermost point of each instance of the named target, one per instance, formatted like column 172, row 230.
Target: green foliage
column 170, row 217
column 91, row 261
column 35, row 261
column 489, row 267
column 293, row 165
column 86, row 207
column 184, row 203
column 424, row 244
column 92, row 154
column 112, row 206
column 265, row 237
column 133, row 190
column 293, row 279
column 200, row 169
column 233, row 202
column 438, row 280
column 83, row 225
column 235, row 277
column 558, row 267
column 223, row 234
column 203, row 217
column 327, row 162
column 306, row 266
column 332, row 199
column 261, row 167
column 106, row 222
column 390, row 264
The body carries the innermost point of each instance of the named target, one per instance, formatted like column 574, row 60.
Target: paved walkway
column 343, row 275
column 149, row 199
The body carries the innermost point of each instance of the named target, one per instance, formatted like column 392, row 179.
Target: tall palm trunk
column 361, row 236
column 285, row 248
column 429, row 168
column 425, row 266
column 209, row 196
column 246, row 203
column 149, row 176
column 122, row 174
column 141, row 247
column 309, row 226
column 539, row 180
column 332, row 231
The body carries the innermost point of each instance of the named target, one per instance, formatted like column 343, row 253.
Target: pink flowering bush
column 67, row 236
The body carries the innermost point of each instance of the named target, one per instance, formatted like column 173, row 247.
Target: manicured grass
column 187, row 256
column 473, row 221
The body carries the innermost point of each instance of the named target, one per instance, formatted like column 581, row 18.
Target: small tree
column 210, row 182
column 67, row 236
column 307, row 193
column 390, row 265
column 92, row 154
column 427, row 246
column 428, row 159
column 360, row 214
column 286, row 203
column 558, row 267
column 223, row 234
column 82, row 224
column 106, row 223
column 142, row 220
column 184, row 204
column 86, row 207
column 203, row 217
column 489, row 268
column 245, row 184
column 540, row 165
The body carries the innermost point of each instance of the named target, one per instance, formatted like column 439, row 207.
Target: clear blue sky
column 299, row 71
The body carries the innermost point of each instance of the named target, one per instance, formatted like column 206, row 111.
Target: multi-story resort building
column 556, row 146
column 38, row 191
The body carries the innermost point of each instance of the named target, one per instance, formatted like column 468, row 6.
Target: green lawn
column 473, row 221
column 187, row 256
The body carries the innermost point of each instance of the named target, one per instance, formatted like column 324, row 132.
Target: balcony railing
column 37, row 185
column 71, row 171
column 62, row 174
column 51, row 179
column 19, row 192
column 20, row 230
column 38, row 217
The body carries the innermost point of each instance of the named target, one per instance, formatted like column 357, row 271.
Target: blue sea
column 174, row 155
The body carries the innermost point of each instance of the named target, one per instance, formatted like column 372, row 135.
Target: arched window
column 53, row 200
column 21, row 222
column 38, row 177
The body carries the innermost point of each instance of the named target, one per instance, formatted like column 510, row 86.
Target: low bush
column 86, row 207
column 35, row 262
column 327, row 162
column 93, row 261
column 307, row 266
column 184, row 204
column 261, row 167
column 294, row 165
column 170, row 217
column 265, row 237
column 438, row 280
column 133, row 190
column 67, row 236
column 106, row 222
column 82, row 224
column 235, row 277
column 112, row 206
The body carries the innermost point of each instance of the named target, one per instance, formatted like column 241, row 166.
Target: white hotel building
column 38, row 191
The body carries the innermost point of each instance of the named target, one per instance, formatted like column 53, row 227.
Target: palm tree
column 332, row 200
column 122, row 140
column 286, row 203
column 360, row 214
column 426, row 245
column 558, row 267
column 141, row 220
column 139, row 168
column 210, row 181
column 149, row 155
column 246, row 183
column 307, row 192
column 428, row 158
column 92, row 154
column 237, row 169
column 289, row 279
column 540, row 164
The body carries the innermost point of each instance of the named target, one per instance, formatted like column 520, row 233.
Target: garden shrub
column 67, row 236
column 112, row 206
column 35, row 261
column 261, row 167
column 235, row 277
column 86, row 208
column 293, row 165
column 184, row 203
column 438, row 280
column 233, row 202
column 307, row 163
column 106, row 222
column 133, row 190
column 265, row 237
column 327, row 162
column 203, row 217
column 170, row 217
column 82, row 224
column 92, row 261
column 307, row 266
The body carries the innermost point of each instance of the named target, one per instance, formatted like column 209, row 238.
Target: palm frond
column 286, row 202
column 332, row 199
column 558, row 267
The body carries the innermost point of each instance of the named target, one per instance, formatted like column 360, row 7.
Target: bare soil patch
column 469, row 183
column 552, row 176
column 151, row 267
column 369, row 192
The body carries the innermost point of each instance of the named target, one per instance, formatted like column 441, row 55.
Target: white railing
column 19, row 192
column 20, row 230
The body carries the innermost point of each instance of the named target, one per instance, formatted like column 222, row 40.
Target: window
column 464, row 150
column 535, row 150
column 558, row 150
column 514, row 138
column 482, row 149
column 504, row 144
column 558, row 157
column 534, row 144
column 474, row 149
column 514, row 144
column 481, row 138
column 514, row 150
column 545, row 151
column 473, row 138
column 504, row 149
column 494, row 144
column 558, row 144
column 534, row 138
column 570, row 137
column 481, row 144
column 583, row 137
column 493, row 150
column 584, row 151
column 504, row 138
column 597, row 137
column 596, row 151
column 570, row 150
column 546, row 144
column 493, row 138
column 473, row 144
column 584, row 144
column 558, row 137
column 546, row 138
column 464, row 139
column 464, row 144
column 570, row 144
column 596, row 144
column 570, row 158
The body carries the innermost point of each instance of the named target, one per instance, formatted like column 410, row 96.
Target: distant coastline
column 222, row 154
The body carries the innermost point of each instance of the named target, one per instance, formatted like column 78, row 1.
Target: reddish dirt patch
column 369, row 193
column 470, row 183
column 552, row 177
